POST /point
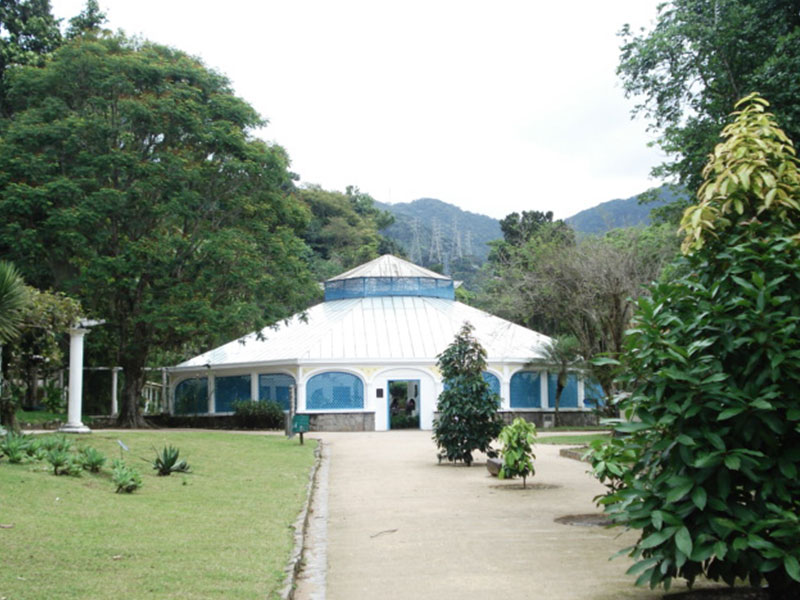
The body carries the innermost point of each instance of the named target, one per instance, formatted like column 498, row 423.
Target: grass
column 223, row 531
column 39, row 416
column 572, row 440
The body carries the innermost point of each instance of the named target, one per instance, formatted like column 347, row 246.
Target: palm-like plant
column 561, row 355
column 13, row 296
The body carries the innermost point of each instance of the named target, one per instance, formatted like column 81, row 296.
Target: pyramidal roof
column 388, row 266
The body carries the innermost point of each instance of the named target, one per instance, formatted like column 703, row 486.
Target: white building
column 383, row 322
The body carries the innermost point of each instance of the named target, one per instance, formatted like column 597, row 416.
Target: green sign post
column 300, row 424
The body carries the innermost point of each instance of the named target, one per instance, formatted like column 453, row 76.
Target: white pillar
column 74, row 424
column 114, row 385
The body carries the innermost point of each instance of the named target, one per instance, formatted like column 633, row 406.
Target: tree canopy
column 698, row 60
column 129, row 179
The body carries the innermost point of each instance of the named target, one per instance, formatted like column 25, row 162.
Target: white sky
column 495, row 107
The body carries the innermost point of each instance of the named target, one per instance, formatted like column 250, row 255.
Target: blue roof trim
column 374, row 287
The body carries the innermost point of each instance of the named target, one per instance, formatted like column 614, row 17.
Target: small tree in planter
column 517, row 440
column 468, row 418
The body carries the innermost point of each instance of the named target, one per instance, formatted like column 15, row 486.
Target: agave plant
column 127, row 479
column 59, row 459
column 92, row 459
column 167, row 462
column 14, row 446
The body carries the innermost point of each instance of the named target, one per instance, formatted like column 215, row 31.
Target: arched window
column 493, row 381
column 526, row 390
column 334, row 391
column 569, row 395
column 275, row 387
column 227, row 390
column 191, row 396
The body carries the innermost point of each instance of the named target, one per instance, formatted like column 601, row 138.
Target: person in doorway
column 394, row 407
column 411, row 406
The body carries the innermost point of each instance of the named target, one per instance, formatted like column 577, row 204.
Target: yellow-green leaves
column 754, row 171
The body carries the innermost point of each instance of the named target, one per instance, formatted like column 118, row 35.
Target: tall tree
column 13, row 299
column 28, row 32
column 709, row 472
column 561, row 355
column 129, row 179
column 698, row 60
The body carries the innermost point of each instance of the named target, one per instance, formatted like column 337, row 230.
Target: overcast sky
column 492, row 106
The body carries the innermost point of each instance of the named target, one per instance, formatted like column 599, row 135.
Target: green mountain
column 620, row 213
column 435, row 233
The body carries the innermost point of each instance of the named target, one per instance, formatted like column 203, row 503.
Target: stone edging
column 300, row 528
column 574, row 453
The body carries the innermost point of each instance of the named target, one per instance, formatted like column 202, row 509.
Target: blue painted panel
column 191, row 396
column 227, row 390
column 526, row 391
column 493, row 381
column 593, row 394
column 275, row 387
column 569, row 396
column 334, row 391
column 374, row 287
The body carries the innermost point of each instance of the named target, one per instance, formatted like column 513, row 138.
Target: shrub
column 14, row 446
column 167, row 462
column 468, row 418
column 127, row 479
column 404, row 421
column 92, row 459
column 709, row 471
column 517, row 440
column 258, row 415
column 59, row 459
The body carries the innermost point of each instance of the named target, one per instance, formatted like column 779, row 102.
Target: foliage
column 130, row 180
column 698, row 60
column 53, row 397
column 13, row 300
column 92, row 459
column 403, row 421
column 562, row 354
column 127, row 479
column 249, row 414
column 166, row 461
column 58, row 459
column 517, row 440
column 709, row 470
column 467, row 419
column 14, row 446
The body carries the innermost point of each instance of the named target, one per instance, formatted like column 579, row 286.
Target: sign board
column 300, row 423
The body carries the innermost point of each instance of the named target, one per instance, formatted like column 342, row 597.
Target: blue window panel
column 593, row 394
column 526, row 390
column 334, row 391
column 373, row 287
column 569, row 395
column 275, row 387
column 228, row 390
column 191, row 396
column 493, row 381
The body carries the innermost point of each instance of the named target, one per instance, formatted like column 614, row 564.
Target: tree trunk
column 130, row 415
column 559, row 389
column 8, row 417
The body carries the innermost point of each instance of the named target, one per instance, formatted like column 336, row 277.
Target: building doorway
column 403, row 404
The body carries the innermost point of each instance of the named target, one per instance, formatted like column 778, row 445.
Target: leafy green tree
column 517, row 442
column 129, row 180
column 562, row 354
column 468, row 418
column 28, row 33
column 13, row 299
column 709, row 472
column 87, row 22
column 698, row 60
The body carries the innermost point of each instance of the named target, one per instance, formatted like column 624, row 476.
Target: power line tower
column 416, row 248
column 468, row 243
column 435, row 254
column 456, row 243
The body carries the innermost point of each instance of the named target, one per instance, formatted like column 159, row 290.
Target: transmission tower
column 468, row 243
column 457, row 253
column 416, row 249
column 435, row 254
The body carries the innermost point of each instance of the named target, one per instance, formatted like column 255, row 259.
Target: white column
column 114, row 385
column 74, row 424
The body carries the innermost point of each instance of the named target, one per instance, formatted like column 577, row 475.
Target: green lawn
column 223, row 531
column 579, row 439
